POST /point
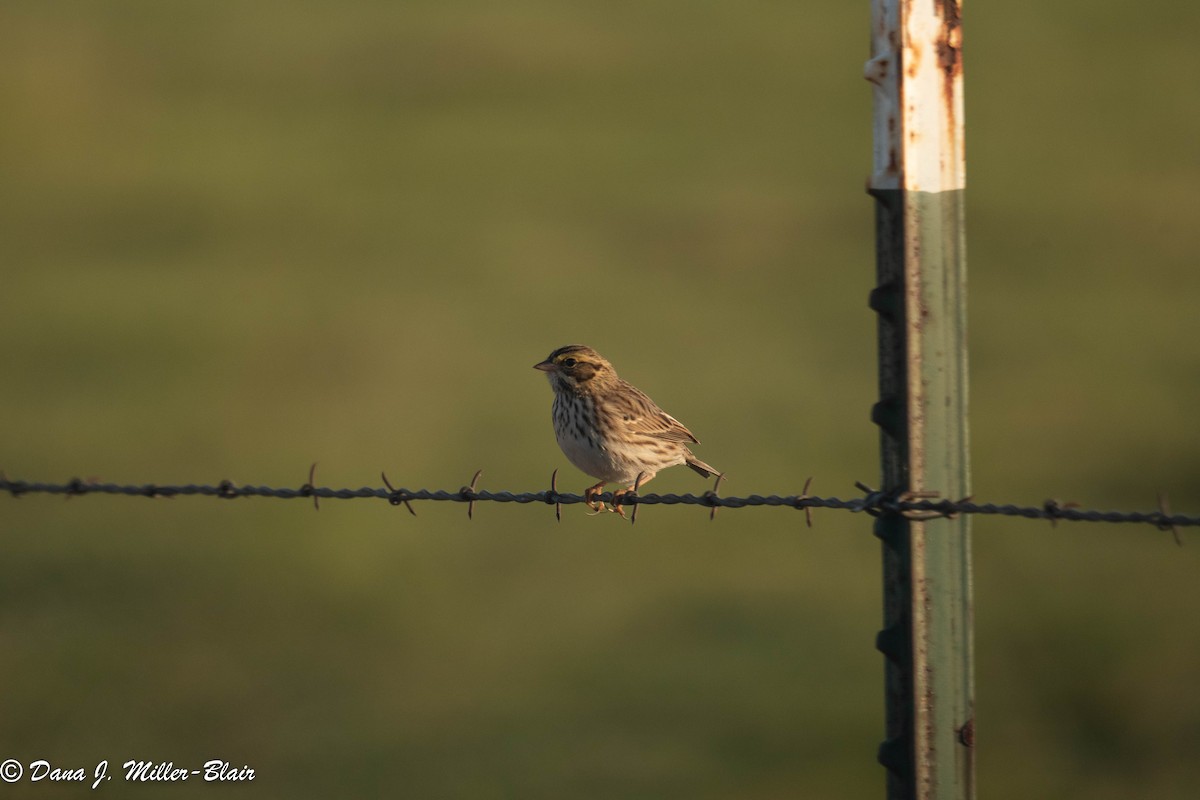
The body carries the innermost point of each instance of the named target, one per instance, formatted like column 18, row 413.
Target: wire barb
column 959, row 504
column 712, row 494
column 808, row 515
column 911, row 506
column 307, row 489
column 75, row 487
column 1167, row 524
column 469, row 493
column 396, row 496
column 553, row 496
column 871, row 501
column 637, row 484
column 1054, row 510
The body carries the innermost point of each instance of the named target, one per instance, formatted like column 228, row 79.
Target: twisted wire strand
column 872, row 502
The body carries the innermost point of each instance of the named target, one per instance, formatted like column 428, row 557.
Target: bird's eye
column 569, row 362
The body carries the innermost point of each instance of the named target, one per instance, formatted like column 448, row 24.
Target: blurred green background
column 237, row 238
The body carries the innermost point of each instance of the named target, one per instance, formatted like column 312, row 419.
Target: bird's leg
column 641, row 481
column 589, row 497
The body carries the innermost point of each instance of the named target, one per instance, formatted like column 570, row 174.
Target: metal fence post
column 917, row 181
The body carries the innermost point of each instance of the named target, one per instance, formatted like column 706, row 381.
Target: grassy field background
column 238, row 238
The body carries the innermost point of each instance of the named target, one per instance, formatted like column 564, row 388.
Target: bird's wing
column 642, row 415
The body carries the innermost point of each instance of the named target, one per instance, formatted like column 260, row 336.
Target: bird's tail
column 700, row 467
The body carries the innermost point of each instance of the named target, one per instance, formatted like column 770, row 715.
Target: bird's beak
column 546, row 366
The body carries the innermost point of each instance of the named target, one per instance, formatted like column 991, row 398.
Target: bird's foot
column 617, row 495
column 589, row 498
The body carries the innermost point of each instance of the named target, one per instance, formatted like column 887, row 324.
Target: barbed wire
column 913, row 505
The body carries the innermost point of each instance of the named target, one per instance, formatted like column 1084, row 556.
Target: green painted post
column 920, row 297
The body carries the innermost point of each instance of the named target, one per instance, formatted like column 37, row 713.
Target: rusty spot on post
column 949, row 50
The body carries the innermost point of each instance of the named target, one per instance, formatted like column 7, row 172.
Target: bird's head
column 576, row 368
